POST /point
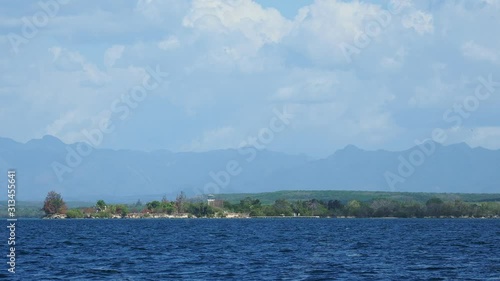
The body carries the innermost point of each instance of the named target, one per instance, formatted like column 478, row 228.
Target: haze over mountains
column 80, row 173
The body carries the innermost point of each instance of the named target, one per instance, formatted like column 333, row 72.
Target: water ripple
column 260, row 249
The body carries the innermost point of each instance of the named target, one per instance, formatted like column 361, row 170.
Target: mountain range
column 81, row 172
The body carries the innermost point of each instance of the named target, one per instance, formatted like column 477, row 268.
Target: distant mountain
column 82, row 173
column 453, row 168
column 49, row 164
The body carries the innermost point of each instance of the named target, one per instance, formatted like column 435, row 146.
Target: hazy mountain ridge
column 109, row 174
column 453, row 168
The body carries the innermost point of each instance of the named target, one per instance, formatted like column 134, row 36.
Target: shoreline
column 259, row 217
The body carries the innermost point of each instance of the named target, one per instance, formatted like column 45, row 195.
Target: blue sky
column 375, row 74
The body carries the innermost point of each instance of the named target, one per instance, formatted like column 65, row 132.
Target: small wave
column 479, row 243
column 432, row 268
column 71, row 243
column 460, row 245
column 319, row 271
column 104, row 270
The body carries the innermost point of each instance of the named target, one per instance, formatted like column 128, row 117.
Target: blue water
column 257, row 249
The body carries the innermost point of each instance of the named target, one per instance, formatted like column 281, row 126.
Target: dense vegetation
column 368, row 204
column 434, row 207
column 181, row 206
column 347, row 195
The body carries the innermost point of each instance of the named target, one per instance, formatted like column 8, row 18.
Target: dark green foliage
column 345, row 196
column 74, row 214
column 201, row 210
column 161, row 207
column 335, row 205
column 374, row 208
column 101, row 205
column 103, row 215
column 438, row 205
column 121, row 209
column 153, row 205
column 282, row 208
column 168, row 207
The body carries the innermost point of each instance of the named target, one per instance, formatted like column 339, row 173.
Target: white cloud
column 472, row 50
column 308, row 86
column 337, row 107
column 488, row 137
column 65, row 91
column 149, row 9
column 323, row 26
column 113, row 54
column 230, row 53
column 169, row 43
column 73, row 61
column 420, row 21
column 394, row 61
column 66, row 60
column 492, row 3
column 163, row 13
column 436, row 91
column 259, row 25
column 56, row 127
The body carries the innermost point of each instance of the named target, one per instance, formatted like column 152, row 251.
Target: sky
column 295, row 76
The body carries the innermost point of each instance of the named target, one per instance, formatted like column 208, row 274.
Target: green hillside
column 345, row 196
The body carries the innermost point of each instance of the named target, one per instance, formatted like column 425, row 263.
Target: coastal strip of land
column 292, row 204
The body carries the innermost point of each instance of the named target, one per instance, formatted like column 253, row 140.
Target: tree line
column 434, row 207
column 54, row 204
